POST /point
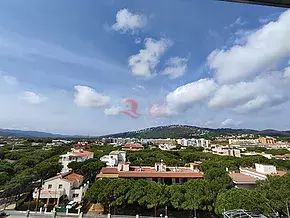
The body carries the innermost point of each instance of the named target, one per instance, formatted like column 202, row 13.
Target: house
column 166, row 147
column 114, row 158
column 267, row 140
column 63, row 186
column 132, row 147
column 243, row 141
column 248, row 177
column 226, row 151
column 82, row 145
column 78, row 155
column 283, row 157
column 159, row 173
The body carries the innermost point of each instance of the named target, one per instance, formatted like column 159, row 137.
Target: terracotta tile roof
column 125, row 163
column 240, row 178
column 283, row 156
column 109, row 170
column 280, row 173
column 133, row 146
column 145, row 174
column 73, row 177
column 81, row 153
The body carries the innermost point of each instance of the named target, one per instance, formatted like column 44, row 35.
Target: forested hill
column 185, row 131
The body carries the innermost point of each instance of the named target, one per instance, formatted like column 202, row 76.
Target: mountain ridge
column 167, row 131
column 187, row 131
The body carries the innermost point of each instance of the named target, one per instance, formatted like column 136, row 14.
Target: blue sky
column 67, row 66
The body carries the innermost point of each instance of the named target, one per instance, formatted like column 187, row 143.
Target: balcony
column 48, row 193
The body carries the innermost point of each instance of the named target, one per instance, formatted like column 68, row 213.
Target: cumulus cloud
column 160, row 109
column 32, row 97
column 190, row 93
column 8, row 79
column 176, row 67
column 143, row 64
column 264, row 91
column 262, row 50
column 127, row 21
column 230, row 123
column 113, row 111
column 88, row 97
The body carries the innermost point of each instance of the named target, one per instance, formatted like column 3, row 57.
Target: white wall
column 266, row 169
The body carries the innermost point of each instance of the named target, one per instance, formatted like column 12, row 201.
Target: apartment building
column 159, row 173
column 119, row 141
column 226, row 151
column 132, row 147
column 194, row 142
column 78, row 155
column 114, row 158
column 267, row 140
column 66, row 185
column 248, row 177
column 243, row 141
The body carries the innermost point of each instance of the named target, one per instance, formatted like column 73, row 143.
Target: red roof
column 142, row 174
column 133, row 146
column 240, row 178
column 81, row 153
column 148, row 172
column 73, row 177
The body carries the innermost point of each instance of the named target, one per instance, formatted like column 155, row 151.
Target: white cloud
column 230, row 123
column 127, row 21
column 191, row 93
column 262, row 50
column 264, row 91
column 144, row 63
column 113, row 111
column 8, row 79
column 176, row 67
column 33, row 98
column 88, row 97
column 160, row 109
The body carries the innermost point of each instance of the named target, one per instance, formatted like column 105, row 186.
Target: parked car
column 71, row 204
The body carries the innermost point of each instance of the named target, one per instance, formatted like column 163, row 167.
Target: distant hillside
column 184, row 131
column 171, row 131
column 33, row 134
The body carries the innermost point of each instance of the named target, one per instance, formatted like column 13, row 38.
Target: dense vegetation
column 212, row 194
column 23, row 165
column 184, row 131
column 183, row 157
column 195, row 194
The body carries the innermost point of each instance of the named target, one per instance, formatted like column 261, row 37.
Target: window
column 49, row 186
column 75, row 195
column 60, row 186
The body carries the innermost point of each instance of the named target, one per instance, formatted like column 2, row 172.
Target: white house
column 114, row 158
column 63, row 186
column 166, row 147
column 226, row 151
column 77, row 155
